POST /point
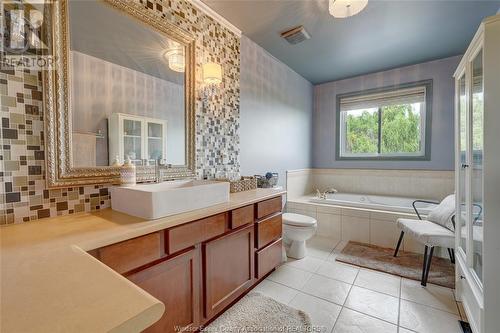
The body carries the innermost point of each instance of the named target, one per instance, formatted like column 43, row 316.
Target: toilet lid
column 298, row 220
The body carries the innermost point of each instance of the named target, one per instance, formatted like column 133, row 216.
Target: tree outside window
column 386, row 124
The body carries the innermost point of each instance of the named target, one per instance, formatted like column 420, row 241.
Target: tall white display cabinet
column 477, row 172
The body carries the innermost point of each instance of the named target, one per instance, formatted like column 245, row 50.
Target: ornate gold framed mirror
column 121, row 87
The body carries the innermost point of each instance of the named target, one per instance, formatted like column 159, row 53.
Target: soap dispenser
column 127, row 173
column 116, row 162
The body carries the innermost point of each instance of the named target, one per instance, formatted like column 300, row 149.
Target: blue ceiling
column 386, row 34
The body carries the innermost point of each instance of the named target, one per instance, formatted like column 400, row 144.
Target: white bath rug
column 258, row 313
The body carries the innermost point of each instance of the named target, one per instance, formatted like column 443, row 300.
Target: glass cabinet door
column 477, row 125
column 461, row 214
column 132, row 140
column 155, row 141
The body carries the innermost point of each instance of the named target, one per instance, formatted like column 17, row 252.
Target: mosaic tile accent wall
column 23, row 194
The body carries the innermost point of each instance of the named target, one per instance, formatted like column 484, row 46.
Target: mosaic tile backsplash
column 23, row 193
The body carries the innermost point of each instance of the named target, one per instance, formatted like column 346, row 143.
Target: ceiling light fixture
column 346, row 8
column 175, row 57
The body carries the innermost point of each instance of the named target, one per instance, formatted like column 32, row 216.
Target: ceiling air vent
column 295, row 35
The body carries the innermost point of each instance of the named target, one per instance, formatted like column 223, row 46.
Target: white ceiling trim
column 216, row 16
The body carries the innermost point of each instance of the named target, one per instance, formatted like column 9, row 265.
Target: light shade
column 346, row 8
column 176, row 59
column 212, row 73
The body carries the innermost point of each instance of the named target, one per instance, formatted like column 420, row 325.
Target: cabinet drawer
column 268, row 207
column 268, row 258
column 189, row 234
column 241, row 216
column 268, row 230
column 132, row 253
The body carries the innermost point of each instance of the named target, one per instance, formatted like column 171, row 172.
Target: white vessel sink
column 152, row 201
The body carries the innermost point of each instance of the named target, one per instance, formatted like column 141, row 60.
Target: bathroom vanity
column 108, row 271
column 199, row 268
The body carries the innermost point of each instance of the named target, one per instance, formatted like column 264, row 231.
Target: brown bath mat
column 406, row 264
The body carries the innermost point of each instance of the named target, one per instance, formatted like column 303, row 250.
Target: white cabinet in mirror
column 143, row 139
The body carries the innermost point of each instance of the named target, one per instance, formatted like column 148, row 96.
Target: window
column 388, row 123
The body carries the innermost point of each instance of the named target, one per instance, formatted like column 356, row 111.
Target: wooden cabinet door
column 228, row 263
column 176, row 283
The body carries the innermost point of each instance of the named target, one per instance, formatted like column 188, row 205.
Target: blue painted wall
column 442, row 142
column 275, row 114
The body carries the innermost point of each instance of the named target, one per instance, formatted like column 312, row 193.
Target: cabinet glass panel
column 155, row 149
column 132, row 127
column 155, row 141
column 132, row 148
column 460, row 220
column 155, row 130
column 477, row 119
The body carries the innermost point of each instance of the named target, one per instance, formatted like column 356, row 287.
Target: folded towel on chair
column 443, row 213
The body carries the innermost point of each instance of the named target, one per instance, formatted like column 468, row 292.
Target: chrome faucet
column 322, row 195
column 331, row 191
column 158, row 165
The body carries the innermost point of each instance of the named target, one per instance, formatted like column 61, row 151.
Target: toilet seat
column 298, row 220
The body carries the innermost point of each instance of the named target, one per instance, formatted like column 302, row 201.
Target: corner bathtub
column 379, row 202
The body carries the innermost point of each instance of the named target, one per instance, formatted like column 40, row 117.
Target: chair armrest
column 478, row 215
column 423, row 201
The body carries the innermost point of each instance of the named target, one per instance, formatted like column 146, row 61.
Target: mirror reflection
column 126, row 89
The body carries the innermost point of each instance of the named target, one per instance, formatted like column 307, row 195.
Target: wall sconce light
column 212, row 78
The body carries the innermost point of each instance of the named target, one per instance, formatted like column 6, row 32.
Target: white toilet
column 296, row 230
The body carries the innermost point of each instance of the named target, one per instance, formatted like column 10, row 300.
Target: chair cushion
column 443, row 212
column 428, row 233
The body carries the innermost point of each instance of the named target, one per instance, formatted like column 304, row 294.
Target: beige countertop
column 48, row 282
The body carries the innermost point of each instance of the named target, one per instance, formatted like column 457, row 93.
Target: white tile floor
column 342, row 298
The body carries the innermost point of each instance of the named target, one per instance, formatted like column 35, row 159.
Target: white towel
column 443, row 212
column 84, row 150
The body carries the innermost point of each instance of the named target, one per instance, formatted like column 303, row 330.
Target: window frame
column 427, row 84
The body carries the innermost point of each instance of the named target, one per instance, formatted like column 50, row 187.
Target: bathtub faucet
column 331, row 191
column 322, row 195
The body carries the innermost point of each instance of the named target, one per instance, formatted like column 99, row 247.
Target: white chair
column 430, row 234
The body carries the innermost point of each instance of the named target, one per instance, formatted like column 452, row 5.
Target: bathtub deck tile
column 354, row 212
column 384, row 233
column 356, row 229
column 329, row 209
